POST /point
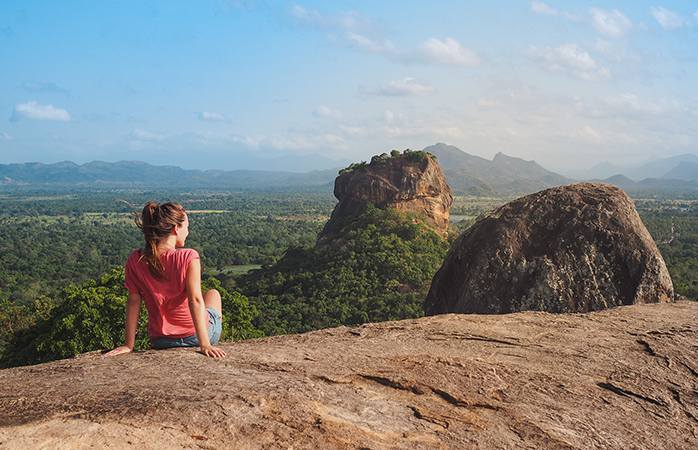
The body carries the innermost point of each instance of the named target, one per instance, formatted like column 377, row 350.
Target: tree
column 377, row 268
column 92, row 317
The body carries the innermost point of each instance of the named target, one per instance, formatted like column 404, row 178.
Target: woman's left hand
column 212, row 351
column 119, row 351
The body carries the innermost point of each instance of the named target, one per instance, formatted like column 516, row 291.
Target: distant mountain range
column 465, row 173
column 681, row 167
column 136, row 174
column 504, row 174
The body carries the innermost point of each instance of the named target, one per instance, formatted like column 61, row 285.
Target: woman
column 168, row 280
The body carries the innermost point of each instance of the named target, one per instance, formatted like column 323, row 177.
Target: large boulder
column 402, row 182
column 575, row 248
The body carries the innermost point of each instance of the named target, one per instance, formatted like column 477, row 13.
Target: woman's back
column 166, row 298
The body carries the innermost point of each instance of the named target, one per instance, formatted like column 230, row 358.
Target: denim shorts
column 214, row 334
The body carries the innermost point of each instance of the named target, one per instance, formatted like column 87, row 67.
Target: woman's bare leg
column 212, row 299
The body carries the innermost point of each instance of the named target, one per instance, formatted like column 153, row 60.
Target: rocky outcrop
column 573, row 248
column 617, row 379
column 399, row 182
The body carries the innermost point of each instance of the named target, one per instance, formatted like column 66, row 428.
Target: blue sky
column 207, row 84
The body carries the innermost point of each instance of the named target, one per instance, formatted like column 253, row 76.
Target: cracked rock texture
column 622, row 378
column 397, row 183
column 573, row 248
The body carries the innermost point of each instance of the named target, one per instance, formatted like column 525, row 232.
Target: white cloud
column 352, row 131
column 324, row 111
column 345, row 20
column 632, row 108
column 6, row 136
column 403, row 88
column 569, row 55
column 449, row 53
column 612, row 50
column 631, row 105
column 34, row 111
column 612, row 24
column 542, row 8
column 571, row 59
column 591, row 133
column 368, row 45
column 696, row 15
column 669, row 20
column 226, row 5
column 44, row 88
column 146, row 135
column 248, row 141
column 355, row 31
column 487, row 104
column 212, row 117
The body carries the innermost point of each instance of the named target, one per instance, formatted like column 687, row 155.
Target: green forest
column 62, row 255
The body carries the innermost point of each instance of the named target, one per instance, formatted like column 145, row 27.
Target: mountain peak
column 464, row 171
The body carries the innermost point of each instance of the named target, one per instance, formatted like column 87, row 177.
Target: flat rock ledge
column 617, row 379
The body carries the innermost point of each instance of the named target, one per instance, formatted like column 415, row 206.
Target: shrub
column 92, row 317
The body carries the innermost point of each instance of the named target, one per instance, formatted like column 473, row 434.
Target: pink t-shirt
column 166, row 300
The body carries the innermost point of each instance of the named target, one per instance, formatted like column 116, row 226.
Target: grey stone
column 573, row 248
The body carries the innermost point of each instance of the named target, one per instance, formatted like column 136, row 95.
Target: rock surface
column 397, row 183
column 573, row 248
column 615, row 379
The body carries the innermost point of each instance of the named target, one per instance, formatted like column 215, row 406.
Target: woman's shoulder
column 181, row 254
column 134, row 256
column 188, row 253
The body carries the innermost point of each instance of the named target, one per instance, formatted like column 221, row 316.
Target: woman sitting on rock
column 168, row 280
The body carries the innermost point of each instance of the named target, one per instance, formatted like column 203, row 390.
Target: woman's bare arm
column 133, row 311
column 197, row 307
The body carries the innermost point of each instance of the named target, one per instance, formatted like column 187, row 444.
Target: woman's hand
column 210, row 350
column 119, row 351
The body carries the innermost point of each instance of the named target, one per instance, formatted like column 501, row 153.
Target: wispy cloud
column 51, row 88
column 612, row 24
column 346, row 20
column 629, row 104
column 368, row 45
column 631, row 107
column 225, row 6
column 448, row 53
column 5, row 136
column 669, row 20
column 358, row 31
column 542, row 8
column 143, row 135
column 324, row 111
column 570, row 59
column 212, row 117
column 34, row 111
column 403, row 88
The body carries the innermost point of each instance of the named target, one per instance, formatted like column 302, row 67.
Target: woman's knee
column 212, row 299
